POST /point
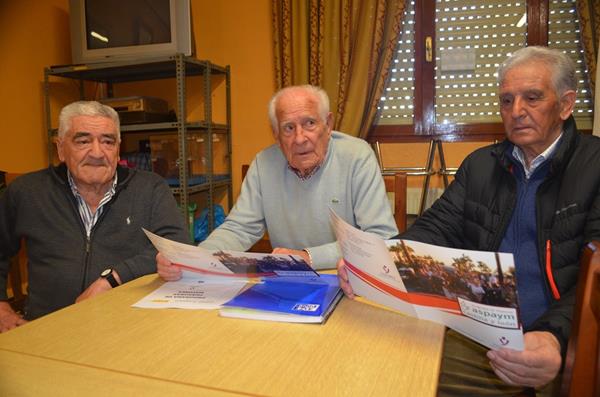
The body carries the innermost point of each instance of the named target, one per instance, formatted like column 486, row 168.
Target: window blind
column 491, row 30
column 396, row 104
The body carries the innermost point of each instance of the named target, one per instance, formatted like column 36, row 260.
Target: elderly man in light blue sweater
column 291, row 185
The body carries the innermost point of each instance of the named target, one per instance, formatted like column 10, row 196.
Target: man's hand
column 97, row 287
column 166, row 270
column 535, row 366
column 287, row 251
column 343, row 278
column 8, row 318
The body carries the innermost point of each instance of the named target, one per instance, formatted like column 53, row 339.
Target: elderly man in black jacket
column 535, row 195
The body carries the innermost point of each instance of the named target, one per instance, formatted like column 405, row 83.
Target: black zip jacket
column 62, row 262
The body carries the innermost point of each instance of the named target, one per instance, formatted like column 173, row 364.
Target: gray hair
column 561, row 66
column 317, row 92
column 86, row 108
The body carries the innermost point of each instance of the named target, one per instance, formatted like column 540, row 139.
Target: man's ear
column 329, row 121
column 276, row 136
column 567, row 104
column 59, row 149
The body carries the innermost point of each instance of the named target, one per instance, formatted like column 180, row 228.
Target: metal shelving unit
column 179, row 67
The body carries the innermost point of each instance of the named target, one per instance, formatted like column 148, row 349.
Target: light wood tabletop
column 103, row 346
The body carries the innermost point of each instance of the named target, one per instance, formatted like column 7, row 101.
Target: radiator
column 413, row 198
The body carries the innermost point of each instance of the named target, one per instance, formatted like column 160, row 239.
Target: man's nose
column 300, row 136
column 518, row 108
column 96, row 148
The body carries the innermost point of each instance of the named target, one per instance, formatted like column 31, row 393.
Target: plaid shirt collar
column 304, row 177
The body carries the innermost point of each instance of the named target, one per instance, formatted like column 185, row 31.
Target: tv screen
column 105, row 30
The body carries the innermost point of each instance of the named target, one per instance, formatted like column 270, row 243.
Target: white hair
column 561, row 66
column 86, row 108
column 317, row 92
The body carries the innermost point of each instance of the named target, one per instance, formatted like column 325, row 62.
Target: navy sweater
column 521, row 240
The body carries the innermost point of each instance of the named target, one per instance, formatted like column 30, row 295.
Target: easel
column 426, row 171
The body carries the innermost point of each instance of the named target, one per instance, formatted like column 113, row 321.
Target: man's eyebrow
column 81, row 134
column 534, row 91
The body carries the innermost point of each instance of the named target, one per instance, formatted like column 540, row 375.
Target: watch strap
column 110, row 277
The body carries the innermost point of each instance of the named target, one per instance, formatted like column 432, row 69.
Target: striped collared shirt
column 538, row 160
column 88, row 217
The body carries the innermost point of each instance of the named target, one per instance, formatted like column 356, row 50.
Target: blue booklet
column 289, row 299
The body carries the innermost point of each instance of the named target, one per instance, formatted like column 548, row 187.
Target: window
column 564, row 34
column 455, row 94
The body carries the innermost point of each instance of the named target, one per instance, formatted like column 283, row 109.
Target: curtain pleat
column 344, row 46
column 588, row 12
column 596, row 127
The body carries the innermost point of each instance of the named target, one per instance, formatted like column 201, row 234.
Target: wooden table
column 103, row 346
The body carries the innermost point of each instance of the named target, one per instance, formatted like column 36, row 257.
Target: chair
column 581, row 375
column 16, row 277
column 395, row 186
column 17, row 273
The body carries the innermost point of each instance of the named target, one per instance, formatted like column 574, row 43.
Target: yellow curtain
column 589, row 22
column 344, row 46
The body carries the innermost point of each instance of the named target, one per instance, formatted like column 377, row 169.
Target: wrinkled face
column 302, row 133
column 532, row 112
column 90, row 149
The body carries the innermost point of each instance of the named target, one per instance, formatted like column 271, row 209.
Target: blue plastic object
column 201, row 222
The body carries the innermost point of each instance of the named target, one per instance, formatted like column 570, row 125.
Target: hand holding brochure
column 300, row 300
column 472, row 292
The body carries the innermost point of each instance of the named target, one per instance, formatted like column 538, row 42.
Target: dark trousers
column 466, row 372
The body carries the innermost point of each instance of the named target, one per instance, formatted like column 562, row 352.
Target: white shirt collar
column 538, row 160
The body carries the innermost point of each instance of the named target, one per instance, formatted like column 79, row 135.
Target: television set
column 110, row 30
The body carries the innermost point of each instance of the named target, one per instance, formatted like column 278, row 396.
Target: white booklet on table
column 191, row 293
column 472, row 292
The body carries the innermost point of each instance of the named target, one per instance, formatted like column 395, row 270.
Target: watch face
column 105, row 272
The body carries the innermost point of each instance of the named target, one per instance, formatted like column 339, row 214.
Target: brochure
column 231, row 264
column 300, row 300
column 191, row 293
column 211, row 278
column 472, row 292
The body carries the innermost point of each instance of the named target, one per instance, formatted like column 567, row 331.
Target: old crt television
column 106, row 30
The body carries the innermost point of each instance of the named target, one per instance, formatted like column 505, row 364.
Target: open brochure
column 212, row 278
column 298, row 300
column 472, row 292
column 229, row 264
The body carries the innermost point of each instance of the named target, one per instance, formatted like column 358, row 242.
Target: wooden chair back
column 244, row 170
column 581, row 375
column 395, row 185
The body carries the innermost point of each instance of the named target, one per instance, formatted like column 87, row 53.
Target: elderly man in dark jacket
column 535, row 195
column 82, row 220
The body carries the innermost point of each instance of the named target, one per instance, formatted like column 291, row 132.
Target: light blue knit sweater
column 295, row 212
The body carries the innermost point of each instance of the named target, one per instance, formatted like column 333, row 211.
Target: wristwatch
column 110, row 277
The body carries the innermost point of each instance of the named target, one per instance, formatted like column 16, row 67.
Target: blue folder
column 290, row 299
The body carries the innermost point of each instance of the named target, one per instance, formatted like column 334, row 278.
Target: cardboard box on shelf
column 165, row 158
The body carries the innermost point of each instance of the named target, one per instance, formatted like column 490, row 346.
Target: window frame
column 424, row 128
